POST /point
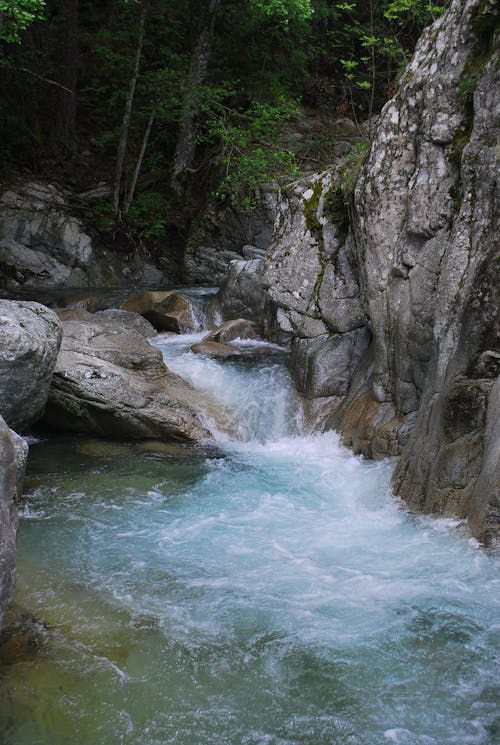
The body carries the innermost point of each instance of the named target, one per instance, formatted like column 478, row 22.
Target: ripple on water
column 260, row 591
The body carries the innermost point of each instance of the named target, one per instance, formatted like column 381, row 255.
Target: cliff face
column 391, row 294
column 426, row 234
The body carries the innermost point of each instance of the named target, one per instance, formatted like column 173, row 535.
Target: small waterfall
column 268, row 591
column 258, row 393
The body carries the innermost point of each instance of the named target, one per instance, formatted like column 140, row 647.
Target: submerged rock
column 13, row 454
column 109, row 381
column 30, row 336
column 215, row 349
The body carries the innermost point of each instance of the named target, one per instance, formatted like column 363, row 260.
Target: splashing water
column 266, row 591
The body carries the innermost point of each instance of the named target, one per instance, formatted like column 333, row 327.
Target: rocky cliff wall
column 44, row 243
column 390, row 291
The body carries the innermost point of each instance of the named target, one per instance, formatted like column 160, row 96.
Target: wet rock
column 215, row 349
column 166, row 311
column 242, row 295
column 109, row 381
column 13, row 454
column 144, row 301
column 239, row 328
column 30, row 336
column 324, row 366
column 232, row 351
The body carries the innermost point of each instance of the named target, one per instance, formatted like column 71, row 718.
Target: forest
column 168, row 103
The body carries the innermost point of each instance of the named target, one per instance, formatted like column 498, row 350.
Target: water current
column 265, row 590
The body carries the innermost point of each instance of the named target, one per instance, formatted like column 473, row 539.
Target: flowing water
column 267, row 590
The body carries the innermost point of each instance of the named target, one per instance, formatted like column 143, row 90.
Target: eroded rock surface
column 389, row 290
column 13, row 454
column 110, row 381
column 43, row 243
column 30, row 336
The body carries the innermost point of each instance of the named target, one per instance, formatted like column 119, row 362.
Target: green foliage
column 339, row 56
column 249, row 150
column 16, row 16
column 363, row 46
column 285, row 10
column 147, row 214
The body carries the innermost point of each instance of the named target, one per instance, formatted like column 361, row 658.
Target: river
column 262, row 590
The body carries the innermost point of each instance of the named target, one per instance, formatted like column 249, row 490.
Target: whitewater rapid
column 265, row 590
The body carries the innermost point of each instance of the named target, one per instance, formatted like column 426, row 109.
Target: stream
column 266, row 590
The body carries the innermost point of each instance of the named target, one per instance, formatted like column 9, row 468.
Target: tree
column 16, row 16
column 186, row 141
column 122, row 145
column 67, row 65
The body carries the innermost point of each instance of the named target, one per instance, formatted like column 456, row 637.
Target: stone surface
column 227, row 234
column 231, row 351
column 44, row 244
column 165, row 310
column 129, row 320
column 407, row 262
column 216, row 349
column 30, row 336
column 242, row 295
column 324, row 366
column 110, row 381
column 13, row 454
column 238, row 328
column 144, row 301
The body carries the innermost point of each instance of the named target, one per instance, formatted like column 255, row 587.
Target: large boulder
column 30, row 335
column 242, row 295
column 110, row 381
column 13, row 454
column 165, row 310
column 238, row 328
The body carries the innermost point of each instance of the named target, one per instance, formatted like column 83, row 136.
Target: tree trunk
column 186, row 141
column 67, row 66
column 138, row 165
column 122, row 146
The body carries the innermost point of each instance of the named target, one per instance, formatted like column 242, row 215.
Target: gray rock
column 110, row 381
column 13, row 453
column 129, row 320
column 230, row 351
column 324, row 366
column 43, row 244
column 225, row 234
column 242, row 295
column 215, row 349
column 239, row 328
column 30, row 336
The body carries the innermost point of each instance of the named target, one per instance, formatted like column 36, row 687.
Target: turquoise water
column 266, row 590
